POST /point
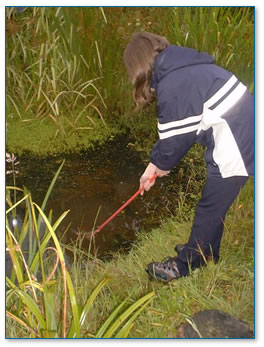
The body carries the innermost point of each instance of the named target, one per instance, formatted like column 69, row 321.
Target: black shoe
column 165, row 271
column 179, row 248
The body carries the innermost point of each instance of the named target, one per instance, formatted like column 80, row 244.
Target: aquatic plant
column 65, row 73
column 43, row 303
column 11, row 169
column 227, row 33
column 45, row 75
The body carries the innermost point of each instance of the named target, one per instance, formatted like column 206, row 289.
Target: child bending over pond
column 197, row 102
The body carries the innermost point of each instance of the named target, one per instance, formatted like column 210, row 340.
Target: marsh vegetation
column 67, row 94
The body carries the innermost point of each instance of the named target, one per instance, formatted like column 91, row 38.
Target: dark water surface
column 98, row 183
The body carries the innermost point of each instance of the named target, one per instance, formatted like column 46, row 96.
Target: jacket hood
column 176, row 57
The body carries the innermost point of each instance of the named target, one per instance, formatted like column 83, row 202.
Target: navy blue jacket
column 200, row 102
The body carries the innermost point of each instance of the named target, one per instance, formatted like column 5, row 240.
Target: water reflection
column 93, row 186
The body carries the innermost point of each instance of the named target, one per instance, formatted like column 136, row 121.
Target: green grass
column 227, row 286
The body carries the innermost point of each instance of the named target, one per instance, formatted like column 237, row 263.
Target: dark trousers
column 204, row 242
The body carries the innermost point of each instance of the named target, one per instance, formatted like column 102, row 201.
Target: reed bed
column 64, row 66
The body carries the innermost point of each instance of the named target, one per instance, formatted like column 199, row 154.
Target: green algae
column 43, row 137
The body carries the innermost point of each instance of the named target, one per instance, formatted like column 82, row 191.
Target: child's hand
column 162, row 173
column 144, row 180
column 150, row 172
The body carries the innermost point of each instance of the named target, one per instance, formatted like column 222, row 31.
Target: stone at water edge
column 215, row 324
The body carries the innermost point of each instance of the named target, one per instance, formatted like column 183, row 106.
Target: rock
column 214, row 324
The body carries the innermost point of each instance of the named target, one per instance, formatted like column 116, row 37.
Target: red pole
column 123, row 206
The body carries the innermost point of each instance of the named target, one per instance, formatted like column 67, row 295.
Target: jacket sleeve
column 167, row 153
column 179, row 116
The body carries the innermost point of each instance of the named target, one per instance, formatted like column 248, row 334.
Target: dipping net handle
column 123, row 206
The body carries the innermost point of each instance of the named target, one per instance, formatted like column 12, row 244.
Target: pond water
column 93, row 186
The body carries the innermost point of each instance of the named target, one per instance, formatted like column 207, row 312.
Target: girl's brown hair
column 139, row 58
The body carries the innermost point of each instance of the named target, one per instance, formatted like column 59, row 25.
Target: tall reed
column 47, row 75
column 65, row 64
column 41, row 299
column 227, row 33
